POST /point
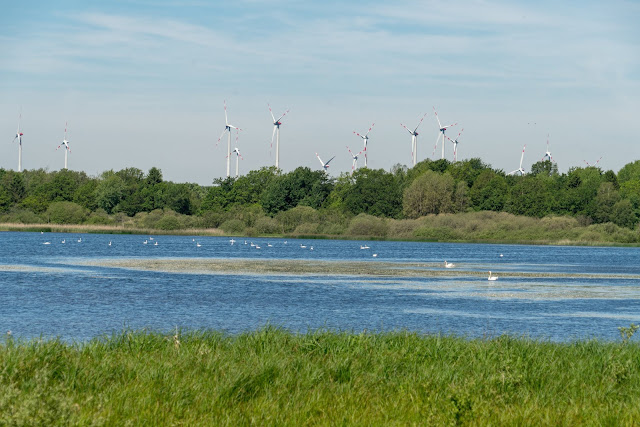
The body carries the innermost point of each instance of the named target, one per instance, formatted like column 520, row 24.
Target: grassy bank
column 274, row 377
column 470, row 227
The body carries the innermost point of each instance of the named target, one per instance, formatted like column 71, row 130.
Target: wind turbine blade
column 350, row 152
column 283, row 114
column 358, row 134
column 321, row 162
column 437, row 118
column 436, row 146
column 449, row 126
column 598, row 161
column 372, row 125
column 221, row 135
column 522, row 157
column 274, row 119
column 408, row 130
column 329, row 160
column 419, row 123
column 226, row 119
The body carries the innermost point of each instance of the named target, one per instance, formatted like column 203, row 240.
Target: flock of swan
column 491, row 277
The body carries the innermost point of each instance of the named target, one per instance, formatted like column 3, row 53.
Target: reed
column 272, row 376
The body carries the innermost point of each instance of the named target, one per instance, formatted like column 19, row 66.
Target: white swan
column 46, row 243
column 375, row 255
column 63, row 241
column 109, row 242
column 198, row 245
column 302, row 246
column 492, row 277
column 155, row 244
column 145, row 242
column 449, row 264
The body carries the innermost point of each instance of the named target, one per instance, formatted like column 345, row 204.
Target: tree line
column 265, row 198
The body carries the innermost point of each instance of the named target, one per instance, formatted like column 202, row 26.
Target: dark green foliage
column 260, row 197
column 374, row 192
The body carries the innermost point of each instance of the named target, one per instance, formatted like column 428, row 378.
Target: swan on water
column 449, row 264
column 492, row 277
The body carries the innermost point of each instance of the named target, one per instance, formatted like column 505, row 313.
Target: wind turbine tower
column 354, row 165
column 238, row 157
column 547, row 154
column 414, row 140
column 519, row 171
column 365, row 139
column 227, row 128
column 455, row 145
column 19, row 138
column 276, row 132
column 441, row 131
column 65, row 143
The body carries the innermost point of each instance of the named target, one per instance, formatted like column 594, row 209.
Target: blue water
column 48, row 290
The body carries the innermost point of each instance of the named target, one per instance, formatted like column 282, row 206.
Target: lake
column 78, row 289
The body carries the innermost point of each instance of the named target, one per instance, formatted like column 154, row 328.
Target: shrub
column 367, row 225
column 66, row 213
column 100, row 217
column 233, row 226
column 292, row 218
column 266, row 225
column 306, row 229
column 168, row 222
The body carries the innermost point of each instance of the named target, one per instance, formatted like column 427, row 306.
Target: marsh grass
column 271, row 376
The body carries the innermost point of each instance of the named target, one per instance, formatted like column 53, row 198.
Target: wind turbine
column 276, row 133
column 519, row 171
column 238, row 157
column 547, row 154
column 414, row 140
column 64, row 142
column 441, row 131
column 365, row 138
column 355, row 159
column 455, row 145
column 19, row 138
column 227, row 128
column 325, row 166
column 595, row 164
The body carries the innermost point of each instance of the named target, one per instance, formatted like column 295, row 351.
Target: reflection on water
column 78, row 290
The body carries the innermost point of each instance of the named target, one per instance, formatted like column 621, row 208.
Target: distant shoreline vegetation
column 465, row 201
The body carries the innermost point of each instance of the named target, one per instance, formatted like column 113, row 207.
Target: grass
column 271, row 376
column 467, row 227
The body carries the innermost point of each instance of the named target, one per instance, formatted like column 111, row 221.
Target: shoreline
column 217, row 232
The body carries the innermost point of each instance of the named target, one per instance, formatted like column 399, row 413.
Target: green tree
column 374, row 192
column 430, row 193
column 489, row 191
column 110, row 192
column 66, row 213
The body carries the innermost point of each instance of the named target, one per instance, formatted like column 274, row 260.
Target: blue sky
column 142, row 83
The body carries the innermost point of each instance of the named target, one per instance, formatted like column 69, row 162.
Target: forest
column 435, row 200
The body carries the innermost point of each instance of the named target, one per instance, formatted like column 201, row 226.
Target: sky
column 142, row 83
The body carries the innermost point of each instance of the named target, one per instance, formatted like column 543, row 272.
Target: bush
column 365, row 225
column 20, row 215
column 266, row 225
column 291, row 219
column 66, row 213
column 168, row 222
column 211, row 219
column 306, row 229
column 100, row 217
column 233, row 226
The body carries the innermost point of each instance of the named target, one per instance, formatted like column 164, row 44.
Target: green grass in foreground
column 275, row 377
